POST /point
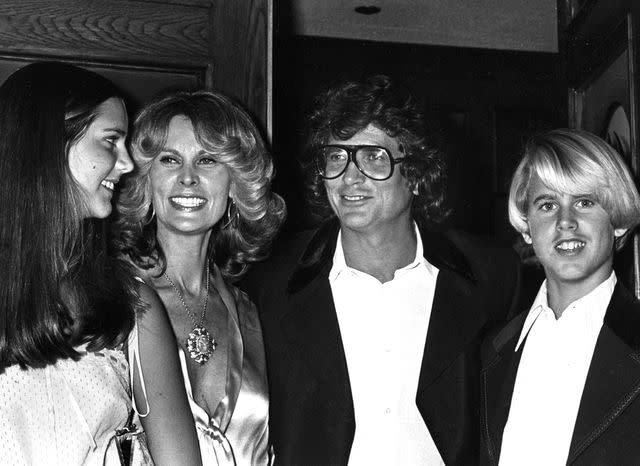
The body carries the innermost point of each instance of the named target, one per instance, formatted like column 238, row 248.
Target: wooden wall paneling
column 240, row 44
column 200, row 3
column 223, row 44
column 126, row 31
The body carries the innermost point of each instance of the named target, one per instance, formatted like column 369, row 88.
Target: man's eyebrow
column 545, row 197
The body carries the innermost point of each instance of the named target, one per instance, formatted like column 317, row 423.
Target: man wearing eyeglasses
column 373, row 322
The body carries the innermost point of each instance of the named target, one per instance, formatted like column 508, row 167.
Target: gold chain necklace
column 200, row 343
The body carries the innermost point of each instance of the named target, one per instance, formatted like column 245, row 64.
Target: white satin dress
column 237, row 433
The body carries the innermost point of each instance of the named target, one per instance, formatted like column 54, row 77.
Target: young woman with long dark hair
column 69, row 311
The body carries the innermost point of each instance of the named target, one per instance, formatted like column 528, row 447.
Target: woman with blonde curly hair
column 197, row 211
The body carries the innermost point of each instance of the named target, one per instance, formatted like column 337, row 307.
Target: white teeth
column 108, row 184
column 570, row 245
column 188, row 201
column 353, row 198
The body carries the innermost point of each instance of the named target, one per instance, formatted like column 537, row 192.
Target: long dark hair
column 59, row 288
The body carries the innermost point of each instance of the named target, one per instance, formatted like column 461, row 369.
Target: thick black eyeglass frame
column 351, row 152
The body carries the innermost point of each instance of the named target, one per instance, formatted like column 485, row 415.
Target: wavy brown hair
column 349, row 107
column 227, row 132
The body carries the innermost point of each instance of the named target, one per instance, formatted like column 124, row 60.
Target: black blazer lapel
column 310, row 320
column 313, row 327
column 447, row 395
column 498, row 377
column 310, row 324
column 452, row 308
column 613, row 380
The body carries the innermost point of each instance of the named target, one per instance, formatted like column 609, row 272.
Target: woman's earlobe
column 527, row 238
column 232, row 190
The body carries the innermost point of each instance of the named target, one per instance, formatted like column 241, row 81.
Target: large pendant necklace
column 200, row 343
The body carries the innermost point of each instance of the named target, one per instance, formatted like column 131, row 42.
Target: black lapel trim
column 441, row 252
column 622, row 318
column 498, row 376
column 625, row 321
column 438, row 250
column 494, row 346
column 579, row 443
column 318, row 254
column 612, row 382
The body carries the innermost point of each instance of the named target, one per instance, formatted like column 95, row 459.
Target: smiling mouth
column 353, row 198
column 570, row 246
column 187, row 202
column 110, row 185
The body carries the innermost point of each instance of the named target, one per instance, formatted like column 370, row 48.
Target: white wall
column 527, row 25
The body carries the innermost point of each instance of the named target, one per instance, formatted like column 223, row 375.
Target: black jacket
column 311, row 414
column 608, row 421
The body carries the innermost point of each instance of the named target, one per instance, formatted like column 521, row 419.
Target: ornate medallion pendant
column 200, row 344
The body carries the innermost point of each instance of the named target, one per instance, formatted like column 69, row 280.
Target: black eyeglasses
column 374, row 162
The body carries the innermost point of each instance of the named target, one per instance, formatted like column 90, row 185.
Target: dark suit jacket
column 608, row 422
column 311, row 411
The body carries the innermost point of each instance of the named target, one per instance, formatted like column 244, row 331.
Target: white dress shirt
column 384, row 328
column 551, row 377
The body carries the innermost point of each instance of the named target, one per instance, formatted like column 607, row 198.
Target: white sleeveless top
column 66, row 413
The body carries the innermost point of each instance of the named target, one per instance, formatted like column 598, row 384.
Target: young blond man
column 560, row 381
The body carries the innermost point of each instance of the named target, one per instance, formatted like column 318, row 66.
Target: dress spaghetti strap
column 133, row 355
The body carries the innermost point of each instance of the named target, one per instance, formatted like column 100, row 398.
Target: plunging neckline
column 224, row 410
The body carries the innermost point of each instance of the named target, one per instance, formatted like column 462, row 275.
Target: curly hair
column 227, row 132
column 349, row 107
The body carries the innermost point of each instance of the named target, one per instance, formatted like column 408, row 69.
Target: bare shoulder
column 148, row 295
column 151, row 313
column 146, row 292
